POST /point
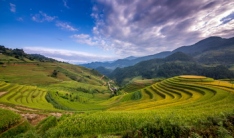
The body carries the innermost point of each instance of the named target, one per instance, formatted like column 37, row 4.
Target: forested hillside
column 212, row 50
column 173, row 65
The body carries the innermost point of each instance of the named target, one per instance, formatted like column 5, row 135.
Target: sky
column 83, row 31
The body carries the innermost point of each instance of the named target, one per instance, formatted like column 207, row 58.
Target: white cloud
column 65, row 26
column 20, row 19
column 77, row 57
column 148, row 27
column 12, row 7
column 42, row 17
column 98, row 41
column 65, row 4
column 84, row 39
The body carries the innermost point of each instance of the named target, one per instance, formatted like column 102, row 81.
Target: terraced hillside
column 11, row 124
column 50, row 85
column 23, row 95
column 183, row 92
column 182, row 106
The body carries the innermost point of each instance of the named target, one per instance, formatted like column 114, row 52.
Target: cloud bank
column 70, row 56
column 147, row 27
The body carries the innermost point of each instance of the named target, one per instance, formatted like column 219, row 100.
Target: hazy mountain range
column 208, row 57
column 203, row 49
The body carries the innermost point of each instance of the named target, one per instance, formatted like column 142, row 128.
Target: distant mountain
column 129, row 61
column 103, row 71
column 130, row 58
column 210, row 51
column 178, row 56
column 176, row 64
column 206, row 51
column 208, row 44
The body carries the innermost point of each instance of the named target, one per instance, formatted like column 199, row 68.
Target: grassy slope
column 183, row 101
column 89, row 86
column 175, row 92
column 188, row 102
column 180, row 100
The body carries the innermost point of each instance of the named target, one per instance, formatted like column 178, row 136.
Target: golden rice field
column 184, row 102
column 190, row 92
column 23, row 95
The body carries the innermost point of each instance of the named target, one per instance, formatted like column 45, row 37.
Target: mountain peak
column 209, row 40
column 130, row 58
column 213, row 42
column 179, row 56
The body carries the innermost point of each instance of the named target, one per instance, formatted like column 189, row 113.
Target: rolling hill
column 35, row 81
column 42, row 97
column 181, row 106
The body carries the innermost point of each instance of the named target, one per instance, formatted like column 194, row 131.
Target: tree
column 55, row 73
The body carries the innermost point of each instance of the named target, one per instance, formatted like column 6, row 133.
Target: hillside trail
column 33, row 116
column 2, row 93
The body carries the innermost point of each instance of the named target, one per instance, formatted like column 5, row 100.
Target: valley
column 175, row 96
column 116, row 69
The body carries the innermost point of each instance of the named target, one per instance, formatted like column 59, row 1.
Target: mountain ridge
column 176, row 64
column 207, row 44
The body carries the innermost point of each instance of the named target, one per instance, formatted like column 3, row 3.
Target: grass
column 172, row 102
column 121, row 122
column 182, row 102
column 137, row 83
column 79, row 96
column 178, row 91
column 39, row 73
column 8, row 59
column 8, row 118
column 29, row 82
column 23, row 95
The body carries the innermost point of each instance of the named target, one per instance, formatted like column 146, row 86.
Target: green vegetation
column 136, row 95
column 29, row 96
column 8, row 118
column 11, row 124
column 63, row 100
column 173, row 65
column 178, row 106
column 50, row 85
column 210, row 51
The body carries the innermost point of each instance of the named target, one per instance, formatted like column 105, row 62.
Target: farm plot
column 29, row 96
column 182, row 92
column 7, row 119
column 12, row 124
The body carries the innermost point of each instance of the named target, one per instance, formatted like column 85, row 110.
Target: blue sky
column 81, row 31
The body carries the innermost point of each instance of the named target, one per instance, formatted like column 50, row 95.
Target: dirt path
column 9, row 108
column 32, row 115
column 24, row 108
column 2, row 93
column 34, row 119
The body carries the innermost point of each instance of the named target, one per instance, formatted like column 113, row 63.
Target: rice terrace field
column 116, row 69
column 181, row 106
